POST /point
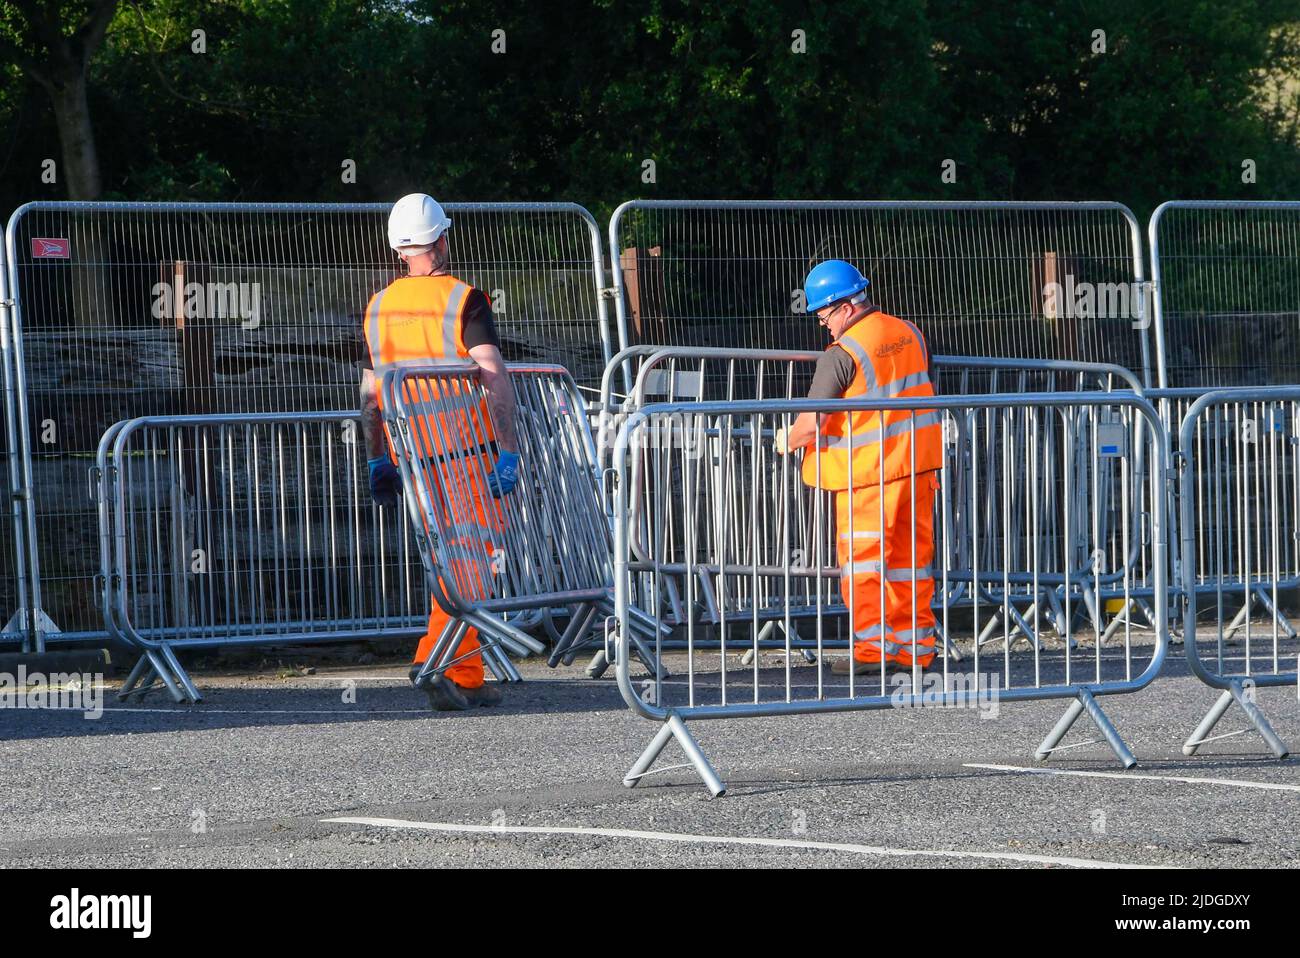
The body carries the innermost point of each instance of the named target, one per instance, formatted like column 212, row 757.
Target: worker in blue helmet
column 877, row 463
column 832, row 281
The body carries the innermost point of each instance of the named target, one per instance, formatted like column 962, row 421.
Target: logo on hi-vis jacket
column 897, row 345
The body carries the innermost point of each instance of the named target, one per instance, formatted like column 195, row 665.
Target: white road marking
column 1267, row 786
column 686, row 838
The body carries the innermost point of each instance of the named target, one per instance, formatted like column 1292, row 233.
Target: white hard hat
column 416, row 220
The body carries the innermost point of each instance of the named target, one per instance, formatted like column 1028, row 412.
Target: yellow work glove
column 781, row 442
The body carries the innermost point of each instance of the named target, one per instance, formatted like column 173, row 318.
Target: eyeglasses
column 824, row 319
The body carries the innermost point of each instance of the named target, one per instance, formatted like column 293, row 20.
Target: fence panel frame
column 1082, row 694
column 19, row 468
column 589, row 602
column 157, row 650
column 37, row 627
column 1157, row 272
column 1234, row 686
column 1138, row 256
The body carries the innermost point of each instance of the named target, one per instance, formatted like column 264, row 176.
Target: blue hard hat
column 830, row 282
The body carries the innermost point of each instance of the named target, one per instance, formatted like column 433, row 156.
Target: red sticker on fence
column 51, row 249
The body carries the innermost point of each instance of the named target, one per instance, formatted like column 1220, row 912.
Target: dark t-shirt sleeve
column 834, row 373
column 477, row 326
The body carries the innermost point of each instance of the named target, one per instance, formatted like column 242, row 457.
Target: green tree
column 53, row 43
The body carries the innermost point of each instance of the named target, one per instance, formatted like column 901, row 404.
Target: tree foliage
column 713, row 91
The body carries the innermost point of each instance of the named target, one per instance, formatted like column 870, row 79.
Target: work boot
column 842, row 667
column 485, row 695
column 445, row 695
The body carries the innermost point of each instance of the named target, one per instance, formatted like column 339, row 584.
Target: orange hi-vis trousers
column 468, row 525
column 907, row 616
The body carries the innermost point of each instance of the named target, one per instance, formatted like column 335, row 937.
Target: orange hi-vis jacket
column 419, row 321
column 891, row 361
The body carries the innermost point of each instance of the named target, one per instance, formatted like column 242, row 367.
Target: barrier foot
column 495, row 658
column 1084, row 701
column 580, row 638
column 674, row 727
column 1236, row 692
column 133, row 679
column 1125, row 615
column 1018, row 626
column 651, row 661
column 1199, row 737
column 1273, row 610
column 598, row 664
column 150, row 667
column 448, row 639
column 1237, row 620
column 579, row 624
column 1022, row 626
column 1056, row 616
column 1247, row 703
column 508, row 637
column 640, row 649
column 182, row 677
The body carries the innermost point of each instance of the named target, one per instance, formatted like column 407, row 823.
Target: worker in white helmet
column 431, row 317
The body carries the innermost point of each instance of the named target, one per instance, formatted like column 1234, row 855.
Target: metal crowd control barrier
column 543, row 545
column 1175, row 404
column 974, row 275
column 123, row 310
column 695, row 374
column 728, row 440
column 245, row 529
column 1240, row 503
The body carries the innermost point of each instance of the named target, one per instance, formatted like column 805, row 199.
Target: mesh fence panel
column 191, row 309
column 972, row 276
column 1228, row 281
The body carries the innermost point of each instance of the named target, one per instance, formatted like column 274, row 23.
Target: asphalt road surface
column 349, row 767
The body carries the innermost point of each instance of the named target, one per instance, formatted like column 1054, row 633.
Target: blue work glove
column 385, row 483
column 501, row 480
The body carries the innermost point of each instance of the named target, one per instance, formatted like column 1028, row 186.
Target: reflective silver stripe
column 863, row 439
column 449, row 317
column 905, row 575
column 861, row 534
column 887, row 390
column 920, row 340
column 868, row 637
column 864, row 567
column 890, row 390
column 860, row 356
column 372, row 329
column 420, row 361
column 450, row 353
column 889, row 647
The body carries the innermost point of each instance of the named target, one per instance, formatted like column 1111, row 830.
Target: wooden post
column 643, row 278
